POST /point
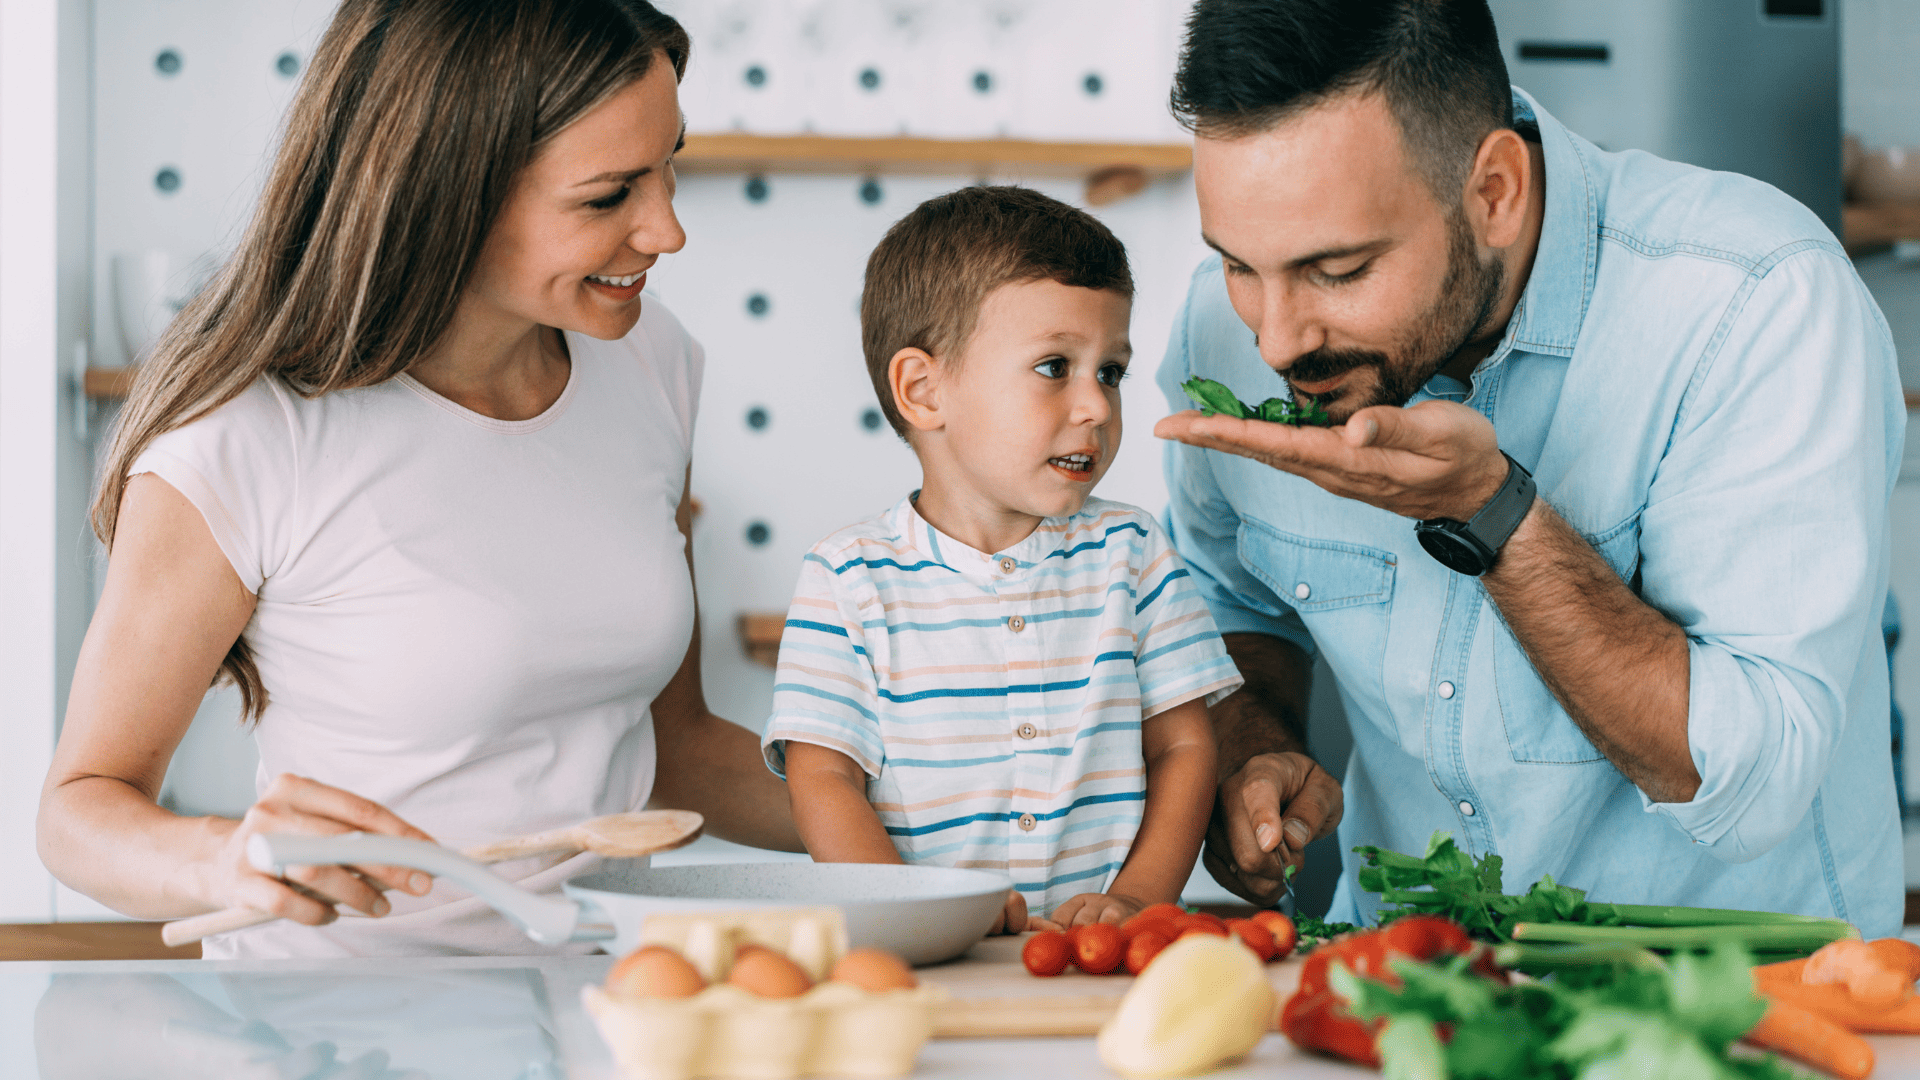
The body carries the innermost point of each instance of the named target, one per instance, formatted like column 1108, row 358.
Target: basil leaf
column 1213, row 397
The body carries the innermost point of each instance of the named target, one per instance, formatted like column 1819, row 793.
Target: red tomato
column 1205, row 924
column 1143, row 948
column 1285, row 935
column 1254, row 936
column 1045, row 953
column 1098, row 948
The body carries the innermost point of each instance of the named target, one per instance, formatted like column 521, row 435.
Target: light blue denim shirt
column 1703, row 388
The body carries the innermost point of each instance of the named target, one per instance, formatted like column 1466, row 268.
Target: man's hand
column 1436, row 459
column 1266, row 815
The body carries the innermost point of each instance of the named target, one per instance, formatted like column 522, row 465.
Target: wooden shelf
column 1870, row 227
column 760, row 634
column 109, row 382
column 1112, row 171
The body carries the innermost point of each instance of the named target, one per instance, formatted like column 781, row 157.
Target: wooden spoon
column 615, row 836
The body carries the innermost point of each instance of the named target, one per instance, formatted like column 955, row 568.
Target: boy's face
column 1032, row 411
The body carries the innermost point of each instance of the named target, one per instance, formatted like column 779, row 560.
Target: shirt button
column 1446, row 689
column 1302, row 591
column 1028, row 731
column 1466, row 808
column 1007, row 566
column 1016, row 624
column 1027, row 822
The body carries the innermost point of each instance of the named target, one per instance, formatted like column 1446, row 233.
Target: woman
column 412, row 473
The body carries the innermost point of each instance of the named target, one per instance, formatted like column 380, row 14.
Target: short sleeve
column 1178, row 654
column 825, row 692
column 674, row 357
column 238, row 467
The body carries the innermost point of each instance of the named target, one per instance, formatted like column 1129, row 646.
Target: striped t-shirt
column 995, row 700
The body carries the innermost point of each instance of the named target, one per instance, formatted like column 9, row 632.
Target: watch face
column 1455, row 551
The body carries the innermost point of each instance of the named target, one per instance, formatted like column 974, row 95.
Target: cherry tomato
column 1143, row 948
column 1045, row 953
column 1202, row 923
column 1285, row 935
column 1098, row 948
column 1254, row 936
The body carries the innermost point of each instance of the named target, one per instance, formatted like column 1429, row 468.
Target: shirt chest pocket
column 1342, row 592
column 1539, row 731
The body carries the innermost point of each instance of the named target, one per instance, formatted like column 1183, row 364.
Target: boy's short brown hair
column 927, row 279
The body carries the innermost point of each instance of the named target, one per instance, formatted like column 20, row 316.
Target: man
column 1597, row 546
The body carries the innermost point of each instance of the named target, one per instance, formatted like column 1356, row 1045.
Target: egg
column 874, row 970
column 655, row 972
column 767, row 974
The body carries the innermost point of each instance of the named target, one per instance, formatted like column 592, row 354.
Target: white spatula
column 615, row 836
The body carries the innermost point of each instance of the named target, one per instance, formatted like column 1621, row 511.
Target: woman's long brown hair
column 402, row 144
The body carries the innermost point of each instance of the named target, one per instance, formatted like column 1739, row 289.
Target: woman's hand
column 294, row 804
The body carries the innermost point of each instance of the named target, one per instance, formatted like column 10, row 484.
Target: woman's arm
column 171, row 608
column 709, row 765
column 1179, row 751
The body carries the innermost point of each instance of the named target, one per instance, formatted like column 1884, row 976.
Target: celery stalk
column 1786, row 937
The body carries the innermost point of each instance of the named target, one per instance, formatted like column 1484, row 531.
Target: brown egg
column 655, row 971
column 768, row 974
column 874, row 970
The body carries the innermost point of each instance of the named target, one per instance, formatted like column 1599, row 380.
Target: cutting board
column 992, row 995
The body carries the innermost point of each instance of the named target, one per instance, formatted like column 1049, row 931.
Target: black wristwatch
column 1469, row 547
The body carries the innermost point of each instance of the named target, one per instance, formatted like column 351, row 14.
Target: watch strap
column 1503, row 513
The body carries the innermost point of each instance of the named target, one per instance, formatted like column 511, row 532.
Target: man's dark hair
column 1249, row 64
column 930, row 273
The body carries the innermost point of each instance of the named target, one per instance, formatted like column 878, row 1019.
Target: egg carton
column 834, row 1029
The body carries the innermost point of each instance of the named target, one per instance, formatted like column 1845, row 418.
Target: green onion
column 1652, row 915
column 1780, row 937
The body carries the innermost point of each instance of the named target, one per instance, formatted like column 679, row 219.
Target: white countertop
column 466, row 1018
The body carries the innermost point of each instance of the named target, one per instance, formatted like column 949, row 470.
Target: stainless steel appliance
column 1750, row 86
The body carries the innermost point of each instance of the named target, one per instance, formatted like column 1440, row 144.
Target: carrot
column 1861, row 969
column 1807, row 1036
column 1898, row 954
column 1834, row 1003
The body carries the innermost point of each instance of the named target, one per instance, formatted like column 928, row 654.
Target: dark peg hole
column 869, row 79
column 871, row 419
column 287, row 64
column 756, row 76
column 870, row 192
column 167, row 63
column 758, row 305
column 758, row 533
column 167, row 180
column 757, row 418
column 983, row 82
column 1093, row 84
column 757, row 189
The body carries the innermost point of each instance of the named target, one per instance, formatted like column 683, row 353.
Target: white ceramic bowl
column 926, row 914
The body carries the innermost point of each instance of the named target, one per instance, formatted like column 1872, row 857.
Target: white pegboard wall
column 799, row 243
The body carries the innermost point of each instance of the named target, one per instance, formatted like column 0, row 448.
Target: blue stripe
column 1078, row 875
column 1155, row 653
column 1094, row 545
column 825, row 628
column 1157, row 589
column 1008, row 815
column 875, row 564
column 956, row 763
column 810, row 691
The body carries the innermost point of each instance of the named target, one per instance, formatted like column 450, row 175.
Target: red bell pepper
column 1316, row 1017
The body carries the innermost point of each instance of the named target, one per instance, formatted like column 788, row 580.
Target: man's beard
column 1467, row 299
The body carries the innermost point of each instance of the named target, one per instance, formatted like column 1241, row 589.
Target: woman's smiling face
column 589, row 215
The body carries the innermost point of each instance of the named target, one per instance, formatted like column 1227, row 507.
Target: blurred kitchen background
column 134, row 133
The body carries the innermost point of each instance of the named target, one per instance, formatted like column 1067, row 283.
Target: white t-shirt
column 461, row 618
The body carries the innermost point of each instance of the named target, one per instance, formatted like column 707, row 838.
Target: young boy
column 1002, row 672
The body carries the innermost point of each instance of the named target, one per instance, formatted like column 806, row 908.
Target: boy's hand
column 1013, row 916
column 1097, row 907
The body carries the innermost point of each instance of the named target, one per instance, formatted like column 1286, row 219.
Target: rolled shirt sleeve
column 1764, row 537
column 1201, row 521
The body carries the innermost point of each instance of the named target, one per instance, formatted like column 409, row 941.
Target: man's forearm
column 1618, row 666
column 1269, row 714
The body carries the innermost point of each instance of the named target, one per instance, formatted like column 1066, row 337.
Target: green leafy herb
column 1449, row 882
column 1311, row 931
column 1213, row 397
column 1607, row 1022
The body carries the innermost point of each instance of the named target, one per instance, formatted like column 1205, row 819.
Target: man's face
column 1357, row 283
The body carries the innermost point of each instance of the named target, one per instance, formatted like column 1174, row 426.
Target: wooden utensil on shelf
column 615, row 836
